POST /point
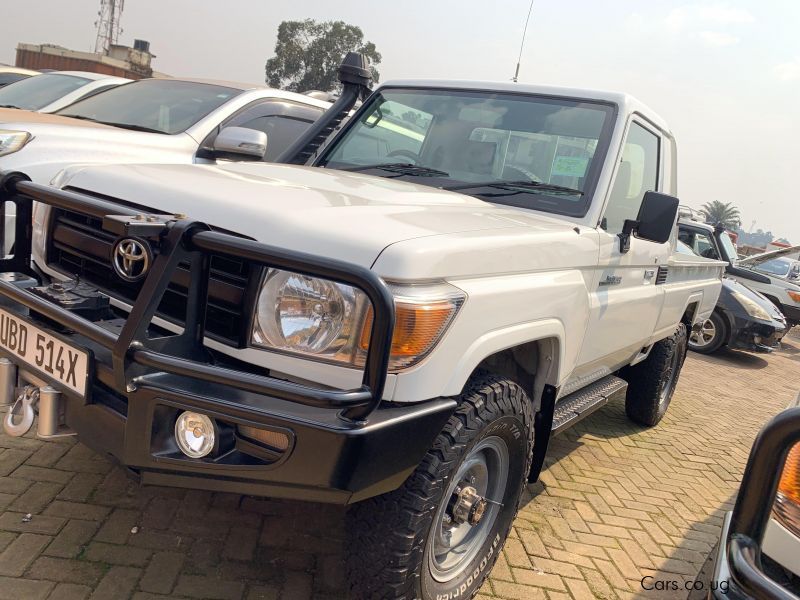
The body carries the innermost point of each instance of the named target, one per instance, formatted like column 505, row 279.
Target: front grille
column 78, row 245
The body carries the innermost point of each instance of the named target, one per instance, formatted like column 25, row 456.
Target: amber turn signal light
column 417, row 328
column 787, row 501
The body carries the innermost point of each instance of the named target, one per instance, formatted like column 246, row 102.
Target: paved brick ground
column 616, row 503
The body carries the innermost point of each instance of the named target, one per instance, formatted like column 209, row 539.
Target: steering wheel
column 404, row 153
column 525, row 174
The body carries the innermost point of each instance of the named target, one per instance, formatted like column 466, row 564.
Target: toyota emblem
column 131, row 258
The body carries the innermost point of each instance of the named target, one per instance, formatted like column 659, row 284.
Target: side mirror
column 655, row 221
column 240, row 142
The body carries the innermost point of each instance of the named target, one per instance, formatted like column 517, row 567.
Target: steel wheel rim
column 705, row 335
column 451, row 547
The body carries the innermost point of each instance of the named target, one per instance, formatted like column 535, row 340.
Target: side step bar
column 579, row 405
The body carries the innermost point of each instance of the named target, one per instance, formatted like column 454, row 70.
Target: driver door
column 626, row 299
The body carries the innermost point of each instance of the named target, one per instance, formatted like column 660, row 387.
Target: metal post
column 8, row 381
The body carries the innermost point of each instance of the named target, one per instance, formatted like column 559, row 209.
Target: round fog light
column 195, row 434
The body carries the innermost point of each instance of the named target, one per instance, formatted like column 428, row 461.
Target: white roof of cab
column 625, row 102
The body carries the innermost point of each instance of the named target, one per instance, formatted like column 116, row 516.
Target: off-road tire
column 388, row 535
column 647, row 398
column 720, row 335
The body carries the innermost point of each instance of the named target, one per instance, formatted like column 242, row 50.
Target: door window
column 637, row 174
column 283, row 121
column 281, row 132
column 701, row 242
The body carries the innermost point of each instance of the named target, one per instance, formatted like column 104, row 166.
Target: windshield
column 777, row 266
column 728, row 248
column 487, row 144
column 158, row 105
column 37, row 92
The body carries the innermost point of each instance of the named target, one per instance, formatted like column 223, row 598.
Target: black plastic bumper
column 343, row 445
column 755, row 335
column 792, row 313
column 327, row 460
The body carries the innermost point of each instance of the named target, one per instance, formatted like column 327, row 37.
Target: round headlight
column 304, row 314
column 194, row 434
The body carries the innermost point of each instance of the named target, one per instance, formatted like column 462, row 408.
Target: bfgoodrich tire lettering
column 391, row 536
column 652, row 382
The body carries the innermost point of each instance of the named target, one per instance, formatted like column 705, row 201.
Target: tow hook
column 22, row 408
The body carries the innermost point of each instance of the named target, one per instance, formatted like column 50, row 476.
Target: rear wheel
column 710, row 336
column 440, row 533
column 652, row 382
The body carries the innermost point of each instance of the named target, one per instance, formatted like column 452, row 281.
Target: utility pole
column 522, row 44
column 108, row 25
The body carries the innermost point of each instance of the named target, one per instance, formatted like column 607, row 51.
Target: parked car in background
column 158, row 121
column 742, row 320
column 758, row 554
column 155, row 121
column 9, row 75
column 50, row 92
column 785, row 268
column 714, row 242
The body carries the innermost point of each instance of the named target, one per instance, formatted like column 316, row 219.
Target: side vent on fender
column 661, row 277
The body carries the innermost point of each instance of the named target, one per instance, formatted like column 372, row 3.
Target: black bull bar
column 185, row 240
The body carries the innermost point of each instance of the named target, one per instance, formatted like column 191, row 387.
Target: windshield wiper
column 132, row 127
column 79, row 117
column 401, row 169
column 527, row 186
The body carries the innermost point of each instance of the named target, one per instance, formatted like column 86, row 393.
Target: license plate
column 63, row 363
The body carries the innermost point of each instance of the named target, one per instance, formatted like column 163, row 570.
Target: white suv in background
column 157, row 121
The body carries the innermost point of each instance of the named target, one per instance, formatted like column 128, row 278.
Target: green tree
column 722, row 212
column 308, row 54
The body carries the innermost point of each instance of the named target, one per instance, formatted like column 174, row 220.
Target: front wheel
column 710, row 336
column 440, row 533
column 652, row 382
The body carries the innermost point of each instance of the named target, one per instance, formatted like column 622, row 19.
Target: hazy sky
column 725, row 75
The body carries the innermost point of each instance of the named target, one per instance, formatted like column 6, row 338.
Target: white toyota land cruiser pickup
column 465, row 270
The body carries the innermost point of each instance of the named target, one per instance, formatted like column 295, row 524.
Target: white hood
column 348, row 216
column 59, row 141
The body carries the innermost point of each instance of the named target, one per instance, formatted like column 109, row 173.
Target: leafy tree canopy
column 722, row 212
column 308, row 54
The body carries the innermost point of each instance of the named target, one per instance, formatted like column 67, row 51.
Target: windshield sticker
column 570, row 166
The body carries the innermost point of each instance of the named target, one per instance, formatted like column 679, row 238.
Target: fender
column 697, row 298
column 699, row 314
column 508, row 337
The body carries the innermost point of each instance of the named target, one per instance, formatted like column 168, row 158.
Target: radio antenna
column 522, row 44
